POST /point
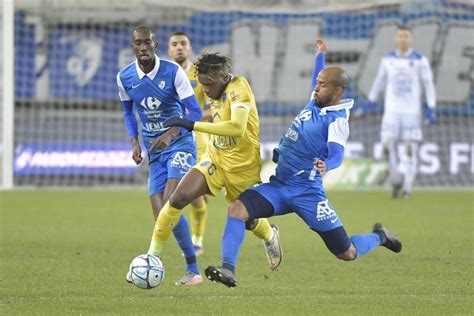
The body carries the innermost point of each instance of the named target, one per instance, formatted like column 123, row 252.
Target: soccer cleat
column 392, row 241
column 221, row 275
column 189, row 279
column 406, row 195
column 273, row 249
column 396, row 190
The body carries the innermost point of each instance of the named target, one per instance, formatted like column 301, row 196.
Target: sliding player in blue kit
column 313, row 144
column 159, row 89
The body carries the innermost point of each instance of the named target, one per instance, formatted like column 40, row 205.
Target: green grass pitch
column 67, row 252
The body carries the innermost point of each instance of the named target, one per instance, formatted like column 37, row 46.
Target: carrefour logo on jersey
column 150, row 103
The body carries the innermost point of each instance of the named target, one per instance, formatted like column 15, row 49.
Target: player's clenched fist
column 320, row 165
column 321, row 46
column 137, row 154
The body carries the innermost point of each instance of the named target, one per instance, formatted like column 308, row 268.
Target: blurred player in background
column 159, row 89
column 180, row 49
column 232, row 160
column 313, row 144
column 402, row 73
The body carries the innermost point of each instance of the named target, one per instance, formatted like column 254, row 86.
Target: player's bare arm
column 164, row 139
column 137, row 151
column 321, row 45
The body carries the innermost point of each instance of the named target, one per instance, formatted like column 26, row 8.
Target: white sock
column 410, row 167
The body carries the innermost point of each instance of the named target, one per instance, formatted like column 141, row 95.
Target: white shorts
column 401, row 127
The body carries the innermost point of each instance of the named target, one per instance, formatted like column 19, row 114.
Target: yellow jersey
column 202, row 139
column 232, row 153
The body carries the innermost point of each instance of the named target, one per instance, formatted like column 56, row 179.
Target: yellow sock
column 164, row 225
column 263, row 230
column 198, row 222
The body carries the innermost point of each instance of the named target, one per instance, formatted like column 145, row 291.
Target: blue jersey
column 307, row 140
column 156, row 95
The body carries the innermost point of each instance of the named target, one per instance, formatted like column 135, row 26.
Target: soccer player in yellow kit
column 179, row 49
column 232, row 159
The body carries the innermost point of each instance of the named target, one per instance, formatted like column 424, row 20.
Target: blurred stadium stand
column 68, row 127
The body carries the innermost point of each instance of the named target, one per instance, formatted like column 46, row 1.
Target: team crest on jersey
column 194, row 83
column 224, row 97
column 161, row 85
column 324, row 212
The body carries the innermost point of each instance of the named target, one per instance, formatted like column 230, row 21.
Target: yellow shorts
column 234, row 182
column 201, row 144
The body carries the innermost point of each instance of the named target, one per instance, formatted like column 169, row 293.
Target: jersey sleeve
column 182, row 85
column 379, row 83
column 427, row 80
column 123, row 95
column 239, row 97
column 338, row 131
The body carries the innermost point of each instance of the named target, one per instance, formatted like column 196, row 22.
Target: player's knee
column 179, row 199
column 348, row 255
column 237, row 210
column 251, row 223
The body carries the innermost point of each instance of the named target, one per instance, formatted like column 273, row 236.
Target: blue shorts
column 172, row 163
column 310, row 203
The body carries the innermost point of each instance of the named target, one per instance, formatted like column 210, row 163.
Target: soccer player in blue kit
column 160, row 89
column 312, row 145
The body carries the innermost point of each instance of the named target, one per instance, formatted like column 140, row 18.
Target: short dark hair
column 179, row 33
column 402, row 27
column 145, row 29
column 213, row 65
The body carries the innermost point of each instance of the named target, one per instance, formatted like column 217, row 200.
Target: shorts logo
column 324, row 211
column 181, row 161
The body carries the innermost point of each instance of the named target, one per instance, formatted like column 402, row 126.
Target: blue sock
column 365, row 243
column 183, row 237
column 234, row 235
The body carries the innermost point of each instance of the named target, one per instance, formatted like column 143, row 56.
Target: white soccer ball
column 147, row 271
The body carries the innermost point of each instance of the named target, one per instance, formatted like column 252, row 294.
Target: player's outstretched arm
column 164, row 140
column 236, row 126
column 320, row 59
column 334, row 160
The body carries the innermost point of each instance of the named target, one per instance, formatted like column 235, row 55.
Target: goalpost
column 62, row 94
column 7, row 93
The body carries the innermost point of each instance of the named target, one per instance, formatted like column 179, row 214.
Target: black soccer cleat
column 392, row 241
column 396, row 188
column 221, row 275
